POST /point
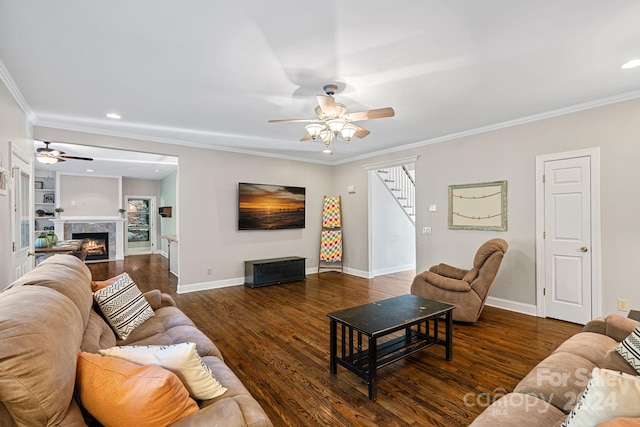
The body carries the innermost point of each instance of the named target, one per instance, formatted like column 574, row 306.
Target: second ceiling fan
column 334, row 122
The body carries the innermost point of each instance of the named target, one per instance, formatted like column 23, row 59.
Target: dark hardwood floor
column 276, row 340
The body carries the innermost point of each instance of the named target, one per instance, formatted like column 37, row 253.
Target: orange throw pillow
column 120, row 393
column 96, row 285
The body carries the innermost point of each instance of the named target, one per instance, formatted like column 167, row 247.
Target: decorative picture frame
column 48, row 198
column 39, row 185
column 480, row 206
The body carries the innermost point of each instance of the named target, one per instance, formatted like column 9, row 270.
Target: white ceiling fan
column 334, row 122
column 49, row 155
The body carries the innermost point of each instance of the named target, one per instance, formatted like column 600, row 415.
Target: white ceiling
column 211, row 73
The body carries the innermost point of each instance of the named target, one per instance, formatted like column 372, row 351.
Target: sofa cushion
column 608, row 394
column 120, row 393
column 181, row 359
column 171, row 326
column 589, row 345
column 629, row 349
column 123, row 305
column 559, row 379
column 65, row 274
column 615, row 362
column 40, row 332
column 97, row 335
column 515, row 409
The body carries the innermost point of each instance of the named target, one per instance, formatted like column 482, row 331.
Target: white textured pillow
column 181, row 359
column 609, row 394
column 630, row 349
column 123, row 305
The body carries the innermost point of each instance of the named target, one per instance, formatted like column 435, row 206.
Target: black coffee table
column 417, row 316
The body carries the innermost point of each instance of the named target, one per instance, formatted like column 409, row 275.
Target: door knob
column 30, row 253
column 584, row 249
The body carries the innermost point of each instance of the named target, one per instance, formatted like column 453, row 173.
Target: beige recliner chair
column 467, row 289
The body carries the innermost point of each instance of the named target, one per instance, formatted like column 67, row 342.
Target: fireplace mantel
column 120, row 238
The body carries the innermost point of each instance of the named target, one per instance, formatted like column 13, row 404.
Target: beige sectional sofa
column 547, row 395
column 48, row 317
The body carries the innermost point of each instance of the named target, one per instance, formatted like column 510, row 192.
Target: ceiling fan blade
column 305, row 138
column 75, row 158
column 327, row 105
column 378, row 113
column 293, row 121
column 361, row 132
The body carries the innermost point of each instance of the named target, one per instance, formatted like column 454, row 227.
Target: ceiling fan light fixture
column 348, row 131
column 335, row 125
column 47, row 160
column 326, row 136
column 314, row 129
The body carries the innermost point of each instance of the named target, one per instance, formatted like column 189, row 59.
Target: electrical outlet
column 426, row 230
column 623, row 304
column 209, row 271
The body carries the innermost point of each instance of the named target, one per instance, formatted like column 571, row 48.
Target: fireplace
column 96, row 245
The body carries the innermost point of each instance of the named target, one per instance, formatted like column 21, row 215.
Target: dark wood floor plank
column 276, row 339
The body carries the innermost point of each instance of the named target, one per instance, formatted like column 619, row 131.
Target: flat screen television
column 270, row 207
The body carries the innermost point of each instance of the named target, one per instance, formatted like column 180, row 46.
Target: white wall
column 168, row 226
column 393, row 237
column 15, row 128
column 509, row 154
column 88, row 195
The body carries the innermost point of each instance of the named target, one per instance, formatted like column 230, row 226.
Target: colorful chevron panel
column 331, row 212
column 331, row 245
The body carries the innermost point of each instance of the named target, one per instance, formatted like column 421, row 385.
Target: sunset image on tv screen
column 270, row 207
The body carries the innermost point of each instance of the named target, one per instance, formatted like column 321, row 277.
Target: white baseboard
column 395, row 269
column 205, row 286
column 518, row 307
column 359, row 273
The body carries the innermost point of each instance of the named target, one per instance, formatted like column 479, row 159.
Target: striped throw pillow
column 630, row 349
column 123, row 305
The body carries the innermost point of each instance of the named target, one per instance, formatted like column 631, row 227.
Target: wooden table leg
column 333, row 347
column 449, row 332
column 373, row 374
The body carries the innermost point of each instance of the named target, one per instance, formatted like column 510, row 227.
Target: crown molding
column 627, row 96
column 15, row 92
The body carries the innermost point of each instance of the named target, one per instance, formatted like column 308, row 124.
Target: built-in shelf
column 44, row 189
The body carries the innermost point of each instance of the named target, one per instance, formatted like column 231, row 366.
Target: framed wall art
column 481, row 206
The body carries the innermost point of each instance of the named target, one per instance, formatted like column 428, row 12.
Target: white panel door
column 22, row 216
column 567, row 243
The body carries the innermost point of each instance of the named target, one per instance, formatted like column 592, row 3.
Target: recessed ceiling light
column 89, row 170
column 156, row 170
column 631, row 64
column 113, row 115
column 327, row 151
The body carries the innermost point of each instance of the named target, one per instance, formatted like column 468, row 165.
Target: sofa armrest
column 614, row 326
column 226, row 411
column 446, row 283
column 157, row 299
column 449, row 271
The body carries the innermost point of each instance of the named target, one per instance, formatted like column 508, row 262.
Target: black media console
column 274, row 271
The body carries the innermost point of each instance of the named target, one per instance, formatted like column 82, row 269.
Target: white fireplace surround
column 120, row 238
